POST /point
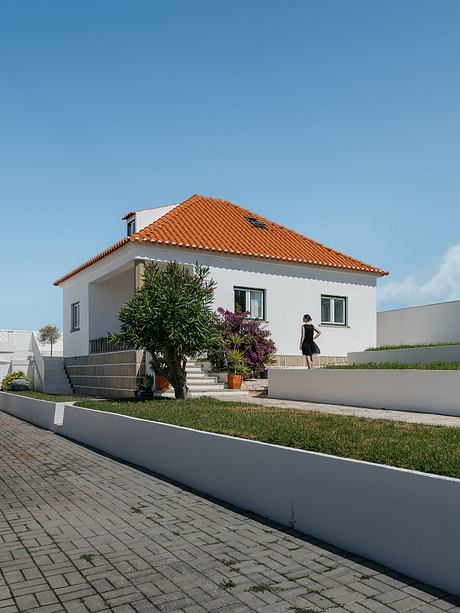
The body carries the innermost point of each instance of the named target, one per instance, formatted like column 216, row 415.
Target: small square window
column 251, row 300
column 334, row 310
column 75, row 317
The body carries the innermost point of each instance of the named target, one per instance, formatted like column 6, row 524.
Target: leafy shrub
column 20, row 385
column 17, row 374
column 145, row 383
column 249, row 336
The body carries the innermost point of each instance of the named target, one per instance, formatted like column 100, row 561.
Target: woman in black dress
column 308, row 334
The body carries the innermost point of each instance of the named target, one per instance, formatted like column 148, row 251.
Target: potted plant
column 161, row 383
column 144, row 387
column 237, row 367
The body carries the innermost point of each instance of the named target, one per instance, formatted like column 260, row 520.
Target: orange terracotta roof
column 219, row 226
column 128, row 215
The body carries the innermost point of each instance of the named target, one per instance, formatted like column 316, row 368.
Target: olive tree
column 49, row 334
column 171, row 317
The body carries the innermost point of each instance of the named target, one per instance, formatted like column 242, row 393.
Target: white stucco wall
column 430, row 323
column 421, row 391
column 290, row 291
column 76, row 289
column 105, row 298
column 145, row 217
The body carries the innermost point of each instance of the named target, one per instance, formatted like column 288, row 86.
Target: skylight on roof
column 256, row 222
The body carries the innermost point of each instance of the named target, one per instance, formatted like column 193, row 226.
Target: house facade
column 274, row 273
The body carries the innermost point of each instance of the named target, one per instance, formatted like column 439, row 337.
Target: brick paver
column 80, row 532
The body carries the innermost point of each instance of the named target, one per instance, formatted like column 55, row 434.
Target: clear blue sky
column 337, row 118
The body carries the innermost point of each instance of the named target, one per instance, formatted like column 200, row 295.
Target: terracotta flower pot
column 161, row 383
column 234, row 381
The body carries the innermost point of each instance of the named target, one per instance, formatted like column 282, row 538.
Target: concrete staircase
column 201, row 384
column 55, row 379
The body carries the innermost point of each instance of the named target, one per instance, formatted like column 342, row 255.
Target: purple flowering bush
column 254, row 342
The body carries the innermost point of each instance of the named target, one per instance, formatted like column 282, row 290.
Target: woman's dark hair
column 307, row 317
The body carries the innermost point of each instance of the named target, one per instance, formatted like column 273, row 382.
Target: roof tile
column 216, row 225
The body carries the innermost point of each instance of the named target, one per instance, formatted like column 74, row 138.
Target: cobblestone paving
column 80, row 533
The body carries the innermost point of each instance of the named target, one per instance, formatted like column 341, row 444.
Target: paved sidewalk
column 431, row 419
column 80, row 532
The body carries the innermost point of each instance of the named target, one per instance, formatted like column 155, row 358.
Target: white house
column 267, row 269
column 21, row 350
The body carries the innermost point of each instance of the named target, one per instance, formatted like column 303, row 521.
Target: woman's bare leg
column 309, row 361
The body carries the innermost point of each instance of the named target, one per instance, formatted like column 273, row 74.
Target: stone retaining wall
column 109, row 375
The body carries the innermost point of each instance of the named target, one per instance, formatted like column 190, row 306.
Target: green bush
column 7, row 381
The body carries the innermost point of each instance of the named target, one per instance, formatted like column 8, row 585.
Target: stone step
column 205, row 387
column 200, row 377
column 226, row 393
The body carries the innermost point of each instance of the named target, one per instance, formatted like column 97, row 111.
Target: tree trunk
column 51, row 349
column 176, row 366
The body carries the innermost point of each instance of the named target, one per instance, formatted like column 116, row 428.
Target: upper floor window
column 251, row 300
column 131, row 227
column 334, row 310
column 75, row 316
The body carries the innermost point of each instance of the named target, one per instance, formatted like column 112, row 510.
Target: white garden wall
column 426, row 391
column 430, row 323
column 42, row 413
column 422, row 355
column 402, row 519
column 291, row 290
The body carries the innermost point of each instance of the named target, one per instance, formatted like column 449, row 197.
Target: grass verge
column 431, row 449
column 418, row 346
column 52, row 397
column 397, row 366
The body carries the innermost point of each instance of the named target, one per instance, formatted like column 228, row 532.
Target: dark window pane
column 240, row 300
column 325, row 310
column 339, row 311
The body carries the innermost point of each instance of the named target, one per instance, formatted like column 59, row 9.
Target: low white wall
column 403, row 519
column 423, row 355
column 425, row 391
column 42, row 413
column 430, row 323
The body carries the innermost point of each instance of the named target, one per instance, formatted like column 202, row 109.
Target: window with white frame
column 334, row 310
column 131, row 227
column 251, row 300
column 75, row 316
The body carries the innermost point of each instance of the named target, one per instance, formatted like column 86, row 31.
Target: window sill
column 334, row 326
column 75, row 330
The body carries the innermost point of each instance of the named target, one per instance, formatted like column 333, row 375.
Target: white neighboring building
column 267, row 269
column 18, row 348
column 426, row 324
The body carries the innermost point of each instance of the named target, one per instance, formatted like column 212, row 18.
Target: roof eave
column 93, row 260
column 359, row 269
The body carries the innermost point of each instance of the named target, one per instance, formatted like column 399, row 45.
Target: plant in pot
column 237, row 367
column 144, row 387
column 161, row 383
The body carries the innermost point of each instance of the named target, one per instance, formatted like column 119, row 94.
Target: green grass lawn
column 386, row 347
column 52, row 397
column 432, row 449
column 397, row 366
